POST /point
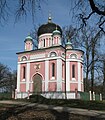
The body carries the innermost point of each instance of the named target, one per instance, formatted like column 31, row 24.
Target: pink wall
column 73, row 86
column 63, row 86
column 52, row 86
column 23, row 87
column 28, row 45
column 63, row 70
column 81, row 75
column 41, row 70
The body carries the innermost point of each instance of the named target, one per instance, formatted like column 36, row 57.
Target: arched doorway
column 37, row 83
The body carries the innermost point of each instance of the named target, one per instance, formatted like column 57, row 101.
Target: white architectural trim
column 18, row 77
column 35, row 74
column 27, row 76
column 52, row 81
column 79, row 75
column 46, row 34
column 46, row 74
column 73, row 82
column 77, row 60
column 67, row 76
column 59, row 74
column 38, row 60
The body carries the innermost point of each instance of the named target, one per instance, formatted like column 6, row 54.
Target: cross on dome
column 49, row 18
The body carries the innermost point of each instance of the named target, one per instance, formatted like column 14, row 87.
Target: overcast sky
column 12, row 35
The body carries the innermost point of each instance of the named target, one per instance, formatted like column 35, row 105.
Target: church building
column 50, row 69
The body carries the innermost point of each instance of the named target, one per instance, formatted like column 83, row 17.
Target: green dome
column 68, row 43
column 55, row 32
column 28, row 38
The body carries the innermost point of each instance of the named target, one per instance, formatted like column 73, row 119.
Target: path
column 85, row 112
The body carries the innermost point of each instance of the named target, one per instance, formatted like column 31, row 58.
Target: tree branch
column 85, row 18
column 95, row 8
column 100, row 26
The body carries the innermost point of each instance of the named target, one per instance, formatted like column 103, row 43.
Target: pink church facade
column 51, row 68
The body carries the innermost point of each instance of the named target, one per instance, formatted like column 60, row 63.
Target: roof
column 48, row 28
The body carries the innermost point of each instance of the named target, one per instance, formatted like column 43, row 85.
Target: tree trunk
column 87, row 72
column 104, row 79
column 92, row 69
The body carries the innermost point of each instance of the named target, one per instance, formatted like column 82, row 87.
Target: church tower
column 56, row 37
column 28, row 43
column 49, row 34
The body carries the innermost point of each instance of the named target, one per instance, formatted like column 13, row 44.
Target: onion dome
column 48, row 28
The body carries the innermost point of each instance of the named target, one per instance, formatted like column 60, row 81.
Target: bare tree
column 102, row 68
column 7, row 79
column 89, row 40
column 24, row 7
column 35, row 36
column 69, row 33
column 88, row 10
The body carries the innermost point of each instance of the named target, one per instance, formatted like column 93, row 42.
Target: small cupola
column 69, row 45
column 28, row 43
column 56, row 34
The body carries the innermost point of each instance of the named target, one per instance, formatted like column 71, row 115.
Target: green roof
column 68, row 43
column 56, row 32
column 28, row 38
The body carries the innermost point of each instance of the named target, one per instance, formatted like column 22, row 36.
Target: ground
column 11, row 110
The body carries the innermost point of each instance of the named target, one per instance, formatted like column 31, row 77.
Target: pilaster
column 46, row 74
column 27, row 76
column 18, row 77
column 67, row 76
column 79, row 77
column 59, row 75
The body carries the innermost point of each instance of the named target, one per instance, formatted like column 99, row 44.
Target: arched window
column 63, row 55
column 73, row 56
column 73, row 71
column 23, row 58
column 53, row 69
column 24, row 72
column 44, row 43
column 53, row 54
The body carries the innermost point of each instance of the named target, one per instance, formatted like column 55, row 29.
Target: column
column 46, row 74
column 59, row 74
column 67, row 76
column 18, row 77
column 27, row 76
column 79, row 77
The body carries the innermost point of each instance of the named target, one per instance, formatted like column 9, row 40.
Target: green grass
column 91, row 105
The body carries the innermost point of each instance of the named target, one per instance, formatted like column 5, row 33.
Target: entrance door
column 37, row 83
